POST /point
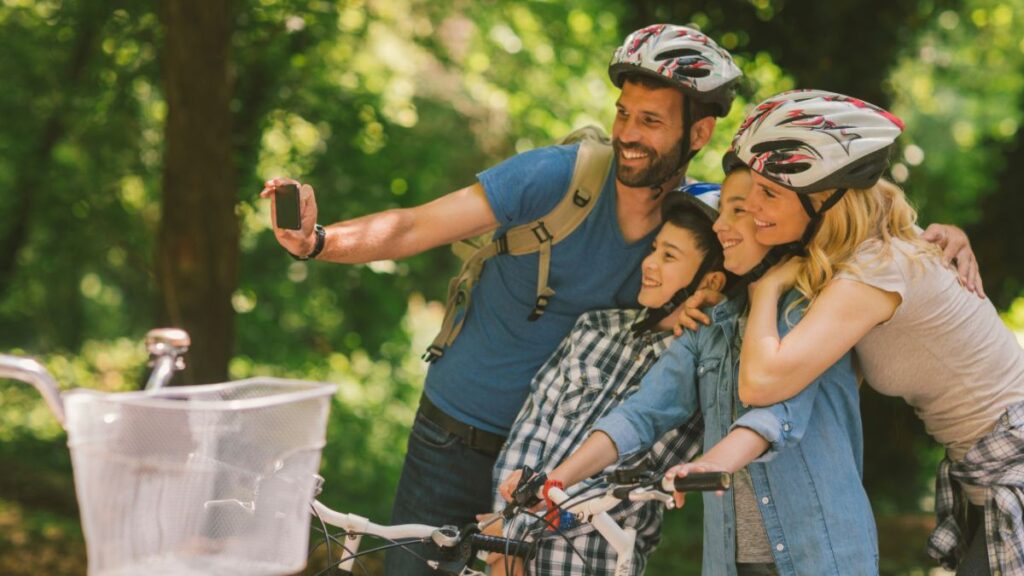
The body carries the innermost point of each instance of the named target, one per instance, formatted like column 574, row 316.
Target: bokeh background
column 134, row 137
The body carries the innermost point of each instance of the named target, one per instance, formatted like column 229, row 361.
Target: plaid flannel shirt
column 594, row 369
column 996, row 462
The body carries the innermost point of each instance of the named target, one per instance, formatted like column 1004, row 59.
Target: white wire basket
column 213, row 479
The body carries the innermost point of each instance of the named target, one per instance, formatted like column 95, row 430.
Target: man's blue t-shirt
column 484, row 377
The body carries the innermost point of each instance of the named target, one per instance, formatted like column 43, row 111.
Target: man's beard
column 659, row 168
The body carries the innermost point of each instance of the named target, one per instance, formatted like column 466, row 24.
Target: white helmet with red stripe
column 812, row 140
column 684, row 57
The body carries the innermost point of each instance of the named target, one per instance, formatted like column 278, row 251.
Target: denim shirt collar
column 725, row 314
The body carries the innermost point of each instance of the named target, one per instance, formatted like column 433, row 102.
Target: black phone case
column 287, row 199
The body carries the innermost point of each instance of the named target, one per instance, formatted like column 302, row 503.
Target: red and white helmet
column 812, row 140
column 685, row 57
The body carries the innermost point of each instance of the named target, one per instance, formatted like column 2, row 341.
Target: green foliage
column 381, row 104
column 959, row 89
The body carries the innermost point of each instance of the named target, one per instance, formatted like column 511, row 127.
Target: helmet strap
column 738, row 288
column 816, row 216
column 653, row 316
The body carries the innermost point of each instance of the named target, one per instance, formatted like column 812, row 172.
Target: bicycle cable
column 351, row 555
column 327, row 536
column 586, row 568
column 391, row 544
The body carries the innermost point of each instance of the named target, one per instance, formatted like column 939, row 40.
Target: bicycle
column 240, row 516
column 208, row 479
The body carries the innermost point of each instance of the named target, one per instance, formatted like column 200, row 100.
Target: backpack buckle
column 541, row 232
column 580, row 199
column 432, row 354
column 539, row 307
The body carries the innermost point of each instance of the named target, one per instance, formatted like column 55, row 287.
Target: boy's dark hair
column 686, row 216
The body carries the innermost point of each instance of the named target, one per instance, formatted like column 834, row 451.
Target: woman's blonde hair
column 880, row 213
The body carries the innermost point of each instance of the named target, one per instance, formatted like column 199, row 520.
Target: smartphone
column 287, row 201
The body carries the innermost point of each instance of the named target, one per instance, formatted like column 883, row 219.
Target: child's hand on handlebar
column 512, row 482
column 683, row 470
column 494, row 527
column 509, row 484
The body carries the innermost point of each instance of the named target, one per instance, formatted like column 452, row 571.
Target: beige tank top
column 945, row 351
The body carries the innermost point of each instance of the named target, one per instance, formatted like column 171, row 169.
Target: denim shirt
column 807, row 484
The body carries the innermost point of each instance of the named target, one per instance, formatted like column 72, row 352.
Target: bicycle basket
column 213, row 479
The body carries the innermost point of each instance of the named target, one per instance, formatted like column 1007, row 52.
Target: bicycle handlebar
column 501, row 545
column 698, row 482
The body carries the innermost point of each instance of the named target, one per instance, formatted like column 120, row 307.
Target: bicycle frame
column 595, row 512
column 356, row 526
column 456, row 546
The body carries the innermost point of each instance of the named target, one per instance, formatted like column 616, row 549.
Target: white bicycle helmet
column 812, row 141
column 683, row 56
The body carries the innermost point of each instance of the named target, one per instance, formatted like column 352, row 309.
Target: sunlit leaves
column 959, row 91
column 1014, row 318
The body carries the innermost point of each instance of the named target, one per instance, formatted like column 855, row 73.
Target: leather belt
column 480, row 440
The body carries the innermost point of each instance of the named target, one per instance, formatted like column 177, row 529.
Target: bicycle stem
column 166, row 348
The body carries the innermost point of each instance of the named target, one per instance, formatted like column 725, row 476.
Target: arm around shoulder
column 774, row 368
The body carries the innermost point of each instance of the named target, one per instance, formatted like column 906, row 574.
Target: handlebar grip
column 518, row 548
column 699, row 482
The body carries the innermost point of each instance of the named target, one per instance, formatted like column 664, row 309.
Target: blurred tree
column 198, row 238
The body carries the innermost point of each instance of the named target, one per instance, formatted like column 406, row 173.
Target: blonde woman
column 875, row 286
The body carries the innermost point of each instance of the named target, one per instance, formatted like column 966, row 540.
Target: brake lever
column 642, row 493
column 639, row 474
column 525, row 494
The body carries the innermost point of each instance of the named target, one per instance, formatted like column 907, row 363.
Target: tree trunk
column 197, row 253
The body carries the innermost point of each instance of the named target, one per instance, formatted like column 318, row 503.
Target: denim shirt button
column 764, row 500
column 785, row 427
column 780, row 547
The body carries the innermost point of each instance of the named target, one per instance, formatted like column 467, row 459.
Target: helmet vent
column 692, row 72
column 791, row 168
column 676, row 53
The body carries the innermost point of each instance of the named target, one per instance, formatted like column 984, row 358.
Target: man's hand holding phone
column 293, row 214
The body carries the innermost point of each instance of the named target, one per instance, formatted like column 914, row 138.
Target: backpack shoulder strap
column 593, row 162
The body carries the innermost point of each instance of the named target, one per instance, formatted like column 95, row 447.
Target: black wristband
column 318, row 246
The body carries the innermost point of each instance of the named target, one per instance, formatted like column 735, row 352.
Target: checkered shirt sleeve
column 996, row 462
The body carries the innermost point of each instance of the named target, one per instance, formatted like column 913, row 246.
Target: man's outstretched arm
column 390, row 234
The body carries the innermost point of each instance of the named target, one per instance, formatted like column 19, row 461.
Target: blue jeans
column 443, row 482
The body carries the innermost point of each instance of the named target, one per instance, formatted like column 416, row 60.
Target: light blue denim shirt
column 807, row 485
